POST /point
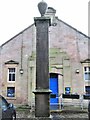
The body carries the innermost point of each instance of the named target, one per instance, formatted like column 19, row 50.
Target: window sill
column 11, row 81
column 11, row 98
column 87, row 80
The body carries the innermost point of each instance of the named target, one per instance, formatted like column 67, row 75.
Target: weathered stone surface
column 42, row 68
column 64, row 41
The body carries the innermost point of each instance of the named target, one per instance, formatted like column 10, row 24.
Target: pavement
column 64, row 114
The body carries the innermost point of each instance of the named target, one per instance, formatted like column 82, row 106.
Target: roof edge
column 16, row 35
column 33, row 24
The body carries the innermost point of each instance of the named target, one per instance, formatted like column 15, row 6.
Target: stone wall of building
column 18, row 49
column 67, row 47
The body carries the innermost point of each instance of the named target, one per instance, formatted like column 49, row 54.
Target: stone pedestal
column 42, row 92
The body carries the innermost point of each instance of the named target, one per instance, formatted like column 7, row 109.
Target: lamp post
column 42, row 92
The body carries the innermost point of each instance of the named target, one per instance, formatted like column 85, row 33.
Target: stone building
column 69, row 62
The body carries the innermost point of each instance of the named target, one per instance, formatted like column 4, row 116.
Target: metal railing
column 71, row 101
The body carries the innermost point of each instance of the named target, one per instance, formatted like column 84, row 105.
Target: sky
column 16, row 15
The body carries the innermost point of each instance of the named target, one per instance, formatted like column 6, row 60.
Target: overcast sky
column 16, row 15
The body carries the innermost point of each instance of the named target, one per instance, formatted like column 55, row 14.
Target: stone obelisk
column 42, row 92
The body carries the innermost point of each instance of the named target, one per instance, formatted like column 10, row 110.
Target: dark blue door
column 54, row 88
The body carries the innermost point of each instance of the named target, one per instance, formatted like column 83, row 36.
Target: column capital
column 39, row 19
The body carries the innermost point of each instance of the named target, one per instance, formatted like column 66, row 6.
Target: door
column 54, row 88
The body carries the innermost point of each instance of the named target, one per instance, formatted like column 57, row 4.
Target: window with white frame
column 11, row 74
column 87, row 73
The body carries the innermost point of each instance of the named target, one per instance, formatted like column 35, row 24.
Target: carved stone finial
column 42, row 6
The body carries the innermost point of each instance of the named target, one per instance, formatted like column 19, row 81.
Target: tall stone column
column 42, row 91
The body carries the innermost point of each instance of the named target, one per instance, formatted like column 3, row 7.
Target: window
column 10, row 91
column 86, row 73
column 87, row 89
column 11, row 74
column 67, row 90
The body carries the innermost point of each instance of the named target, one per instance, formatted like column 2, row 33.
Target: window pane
column 84, row 68
column 9, row 77
column 11, row 74
column 87, row 69
column 67, row 90
column 11, row 69
column 87, row 89
column 13, row 77
column 4, row 105
column 10, row 91
column 87, row 76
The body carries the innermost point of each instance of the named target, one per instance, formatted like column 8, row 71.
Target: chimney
column 50, row 12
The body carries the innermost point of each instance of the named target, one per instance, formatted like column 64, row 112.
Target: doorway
column 53, row 83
